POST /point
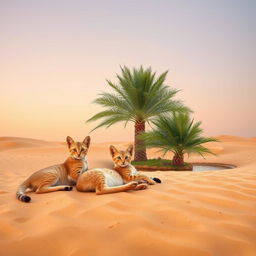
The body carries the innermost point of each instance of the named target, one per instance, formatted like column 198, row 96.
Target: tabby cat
column 58, row 177
column 124, row 177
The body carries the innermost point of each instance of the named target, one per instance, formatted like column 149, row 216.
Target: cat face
column 78, row 150
column 121, row 158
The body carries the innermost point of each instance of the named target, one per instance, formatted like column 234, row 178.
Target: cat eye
column 74, row 149
column 126, row 158
column 119, row 158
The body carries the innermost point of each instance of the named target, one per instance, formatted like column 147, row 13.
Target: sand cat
column 123, row 166
column 58, row 177
column 124, row 177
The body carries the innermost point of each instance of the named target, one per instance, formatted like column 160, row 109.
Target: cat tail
column 157, row 180
column 21, row 192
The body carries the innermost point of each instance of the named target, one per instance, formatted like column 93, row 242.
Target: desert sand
column 190, row 213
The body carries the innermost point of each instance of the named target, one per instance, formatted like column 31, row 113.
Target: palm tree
column 138, row 97
column 176, row 133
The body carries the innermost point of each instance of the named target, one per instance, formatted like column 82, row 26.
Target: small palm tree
column 138, row 97
column 177, row 133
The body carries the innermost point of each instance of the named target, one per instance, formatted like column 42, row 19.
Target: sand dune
column 206, row 213
column 7, row 143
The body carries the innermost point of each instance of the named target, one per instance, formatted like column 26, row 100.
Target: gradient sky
column 56, row 55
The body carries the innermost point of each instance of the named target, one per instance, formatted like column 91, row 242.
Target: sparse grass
column 157, row 162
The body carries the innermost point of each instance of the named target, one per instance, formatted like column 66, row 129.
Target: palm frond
column 177, row 133
column 107, row 122
column 138, row 95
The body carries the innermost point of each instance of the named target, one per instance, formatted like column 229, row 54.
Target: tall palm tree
column 138, row 97
column 176, row 133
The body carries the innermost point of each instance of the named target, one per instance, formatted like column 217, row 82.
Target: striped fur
column 122, row 165
column 58, row 177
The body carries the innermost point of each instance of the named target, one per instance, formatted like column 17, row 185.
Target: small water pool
column 201, row 168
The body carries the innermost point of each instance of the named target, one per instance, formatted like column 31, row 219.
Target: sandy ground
column 206, row 213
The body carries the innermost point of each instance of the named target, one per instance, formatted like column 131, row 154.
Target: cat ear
column 130, row 149
column 69, row 141
column 87, row 141
column 112, row 150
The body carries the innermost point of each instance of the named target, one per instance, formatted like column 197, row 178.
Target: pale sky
column 56, row 55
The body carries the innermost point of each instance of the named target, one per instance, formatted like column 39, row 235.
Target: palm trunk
column 178, row 159
column 140, row 153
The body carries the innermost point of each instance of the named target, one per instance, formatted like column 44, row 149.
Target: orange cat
column 124, row 177
column 123, row 166
column 58, row 177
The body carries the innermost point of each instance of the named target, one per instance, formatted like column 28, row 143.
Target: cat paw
column 142, row 182
column 156, row 180
column 68, row 188
column 133, row 184
column 141, row 186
